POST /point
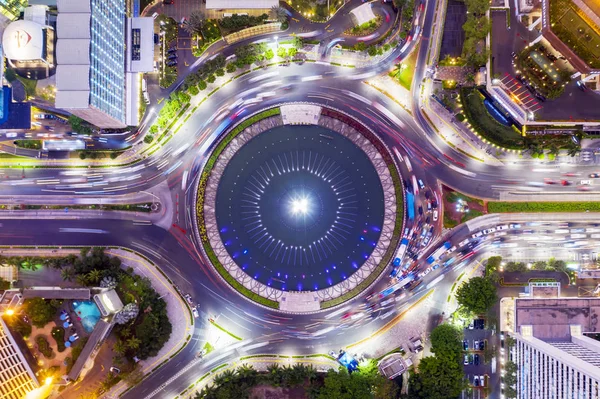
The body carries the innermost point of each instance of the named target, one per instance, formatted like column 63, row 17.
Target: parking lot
column 477, row 360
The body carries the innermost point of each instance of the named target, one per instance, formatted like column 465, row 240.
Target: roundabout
column 298, row 203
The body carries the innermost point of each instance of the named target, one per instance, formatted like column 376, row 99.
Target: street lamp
column 276, row 41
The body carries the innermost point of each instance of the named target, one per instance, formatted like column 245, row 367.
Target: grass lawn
column 452, row 216
column 514, row 207
column 484, row 124
column 405, row 74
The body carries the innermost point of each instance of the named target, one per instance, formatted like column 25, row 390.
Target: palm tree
column 94, row 276
column 81, row 279
column 133, row 343
column 247, row 373
column 279, row 14
column 275, row 374
column 67, row 273
column 194, row 24
column 119, row 347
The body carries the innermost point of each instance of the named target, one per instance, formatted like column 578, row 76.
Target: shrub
column 148, row 138
column 202, row 85
column 220, row 72
column 193, row 90
column 231, row 67
column 58, row 333
column 44, row 347
column 211, row 79
column 153, row 129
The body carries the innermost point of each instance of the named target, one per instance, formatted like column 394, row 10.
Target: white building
column 225, row 8
column 553, row 357
column 557, row 369
column 16, row 377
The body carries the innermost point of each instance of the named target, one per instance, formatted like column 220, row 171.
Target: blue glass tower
column 107, row 56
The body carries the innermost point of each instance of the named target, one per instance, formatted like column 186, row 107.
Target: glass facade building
column 11, row 9
column 107, row 57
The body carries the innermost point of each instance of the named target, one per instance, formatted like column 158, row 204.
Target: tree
column 194, row 24
column 231, row 68
column 108, row 282
column 340, row 384
column 133, row 343
column 67, row 273
column 446, row 341
column 292, row 52
column 220, row 72
column 201, row 85
column 94, row 276
column 477, row 295
column 211, row 79
column 39, row 311
column 281, row 52
column 439, row 378
column 148, row 138
column 278, row 13
column 119, row 347
column 4, row 285
column 269, row 54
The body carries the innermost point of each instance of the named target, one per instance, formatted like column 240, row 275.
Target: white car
column 466, row 361
column 503, row 227
column 586, row 182
column 154, row 15
column 476, row 381
column 435, row 215
column 514, row 226
column 478, row 234
column 39, row 116
column 482, row 380
column 195, row 313
column 463, row 243
column 11, row 135
column 490, row 230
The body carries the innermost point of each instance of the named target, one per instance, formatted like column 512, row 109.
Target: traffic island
column 459, row 208
column 299, row 208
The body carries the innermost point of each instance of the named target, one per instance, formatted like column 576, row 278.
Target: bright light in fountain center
column 300, row 206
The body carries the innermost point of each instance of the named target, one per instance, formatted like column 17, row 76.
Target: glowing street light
column 300, row 206
column 10, row 312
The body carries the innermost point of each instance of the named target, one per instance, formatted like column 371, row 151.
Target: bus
column 410, row 205
column 439, row 252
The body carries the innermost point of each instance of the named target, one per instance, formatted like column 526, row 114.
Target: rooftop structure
column 100, row 332
column 554, row 358
column 393, row 365
column 57, row 293
column 108, row 302
column 28, row 44
column 17, row 379
column 221, row 8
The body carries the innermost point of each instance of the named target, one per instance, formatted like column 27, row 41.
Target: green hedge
column 484, row 124
column 514, row 207
column 200, row 208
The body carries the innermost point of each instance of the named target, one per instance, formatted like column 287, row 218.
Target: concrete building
column 554, row 358
column 28, row 44
column 100, row 53
column 225, row 8
column 17, row 379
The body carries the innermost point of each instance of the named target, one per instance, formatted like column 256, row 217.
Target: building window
column 135, row 44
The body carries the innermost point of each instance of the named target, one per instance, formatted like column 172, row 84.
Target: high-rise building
column 95, row 43
column 553, row 357
column 16, row 377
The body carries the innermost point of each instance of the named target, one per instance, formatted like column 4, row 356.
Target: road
column 175, row 248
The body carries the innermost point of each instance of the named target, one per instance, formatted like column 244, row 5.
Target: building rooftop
column 73, row 26
column 101, row 330
column 240, row 4
column 550, row 319
column 108, row 302
column 73, row 6
column 23, row 41
column 57, row 293
column 16, row 376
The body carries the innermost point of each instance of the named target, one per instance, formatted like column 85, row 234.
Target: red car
column 549, row 181
column 565, row 182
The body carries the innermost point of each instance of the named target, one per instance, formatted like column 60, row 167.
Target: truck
column 439, row 252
